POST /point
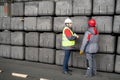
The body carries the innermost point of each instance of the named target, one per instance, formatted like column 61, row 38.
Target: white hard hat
column 68, row 20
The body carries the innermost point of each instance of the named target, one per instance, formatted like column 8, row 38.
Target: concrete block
column 116, row 26
column 46, row 8
column 64, row 7
column 17, row 52
column 31, row 54
column 31, row 39
column 103, row 7
column 31, row 8
column 80, row 24
column 6, row 23
column 82, row 7
column 1, row 22
column 17, row 38
column 16, row 23
column 46, row 55
column 30, row 23
column 17, row 9
column 78, row 42
column 47, row 40
column 60, row 57
column 117, row 64
column 106, row 43
column 104, row 24
column 79, row 60
column 58, row 41
column 118, row 45
column 118, row 7
column 5, row 37
column 5, row 51
column 105, row 62
column 44, row 23
column 59, row 23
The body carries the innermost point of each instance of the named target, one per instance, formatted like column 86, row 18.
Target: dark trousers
column 66, row 60
column 91, row 67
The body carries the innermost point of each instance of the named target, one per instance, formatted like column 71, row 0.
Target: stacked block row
column 64, row 7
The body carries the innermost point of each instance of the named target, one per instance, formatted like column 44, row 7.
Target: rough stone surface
column 44, row 23
column 82, row 7
column 31, row 39
column 31, row 54
column 103, row 6
column 17, row 52
column 46, row 55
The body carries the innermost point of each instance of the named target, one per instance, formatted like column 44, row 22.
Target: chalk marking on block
column 20, row 75
column 1, row 71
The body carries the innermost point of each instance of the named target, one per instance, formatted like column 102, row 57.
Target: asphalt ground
column 36, row 70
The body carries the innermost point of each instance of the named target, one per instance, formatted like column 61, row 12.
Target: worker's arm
column 85, row 41
column 69, row 35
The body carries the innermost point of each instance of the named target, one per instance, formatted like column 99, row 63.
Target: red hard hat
column 92, row 22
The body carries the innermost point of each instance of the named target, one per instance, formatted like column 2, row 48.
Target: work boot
column 67, row 72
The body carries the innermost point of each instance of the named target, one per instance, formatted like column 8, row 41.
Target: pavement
column 37, row 70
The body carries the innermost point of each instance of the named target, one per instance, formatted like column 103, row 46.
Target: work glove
column 81, row 52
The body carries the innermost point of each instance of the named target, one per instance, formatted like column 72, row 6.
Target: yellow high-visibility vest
column 65, row 41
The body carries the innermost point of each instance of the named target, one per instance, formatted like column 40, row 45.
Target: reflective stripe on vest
column 65, row 41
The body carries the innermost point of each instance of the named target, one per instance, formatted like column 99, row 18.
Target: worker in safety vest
column 68, row 42
column 90, row 47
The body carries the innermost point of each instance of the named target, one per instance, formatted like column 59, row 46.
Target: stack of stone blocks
column 33, row 32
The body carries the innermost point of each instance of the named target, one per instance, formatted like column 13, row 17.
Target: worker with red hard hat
column 90, row 47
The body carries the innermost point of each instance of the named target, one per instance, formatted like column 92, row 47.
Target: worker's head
column 68, row 22
column 92, row 22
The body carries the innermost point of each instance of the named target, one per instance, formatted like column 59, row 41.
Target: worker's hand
column 81, row 52
column 76, row 35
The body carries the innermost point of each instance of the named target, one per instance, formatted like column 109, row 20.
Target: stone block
column 6, row 23
column 63, row 7
column 46, row 55
column 117, row 64
column 31, row 8
column 116, row 26
column 17, row 9
column 58, row 41
column 80, row 24
column 105, row 62
column 82, row 7
column 5, row 51
column 31, row 39
column 17, row 52
column 31, row 54
column 5, row 37
column 44, row 23
column 17, row 38
column 118, row 45
column 17, row 23
column 106, row 43
column 47, row 40
column 30, row 23
column 103, row 7
column 46, row 8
